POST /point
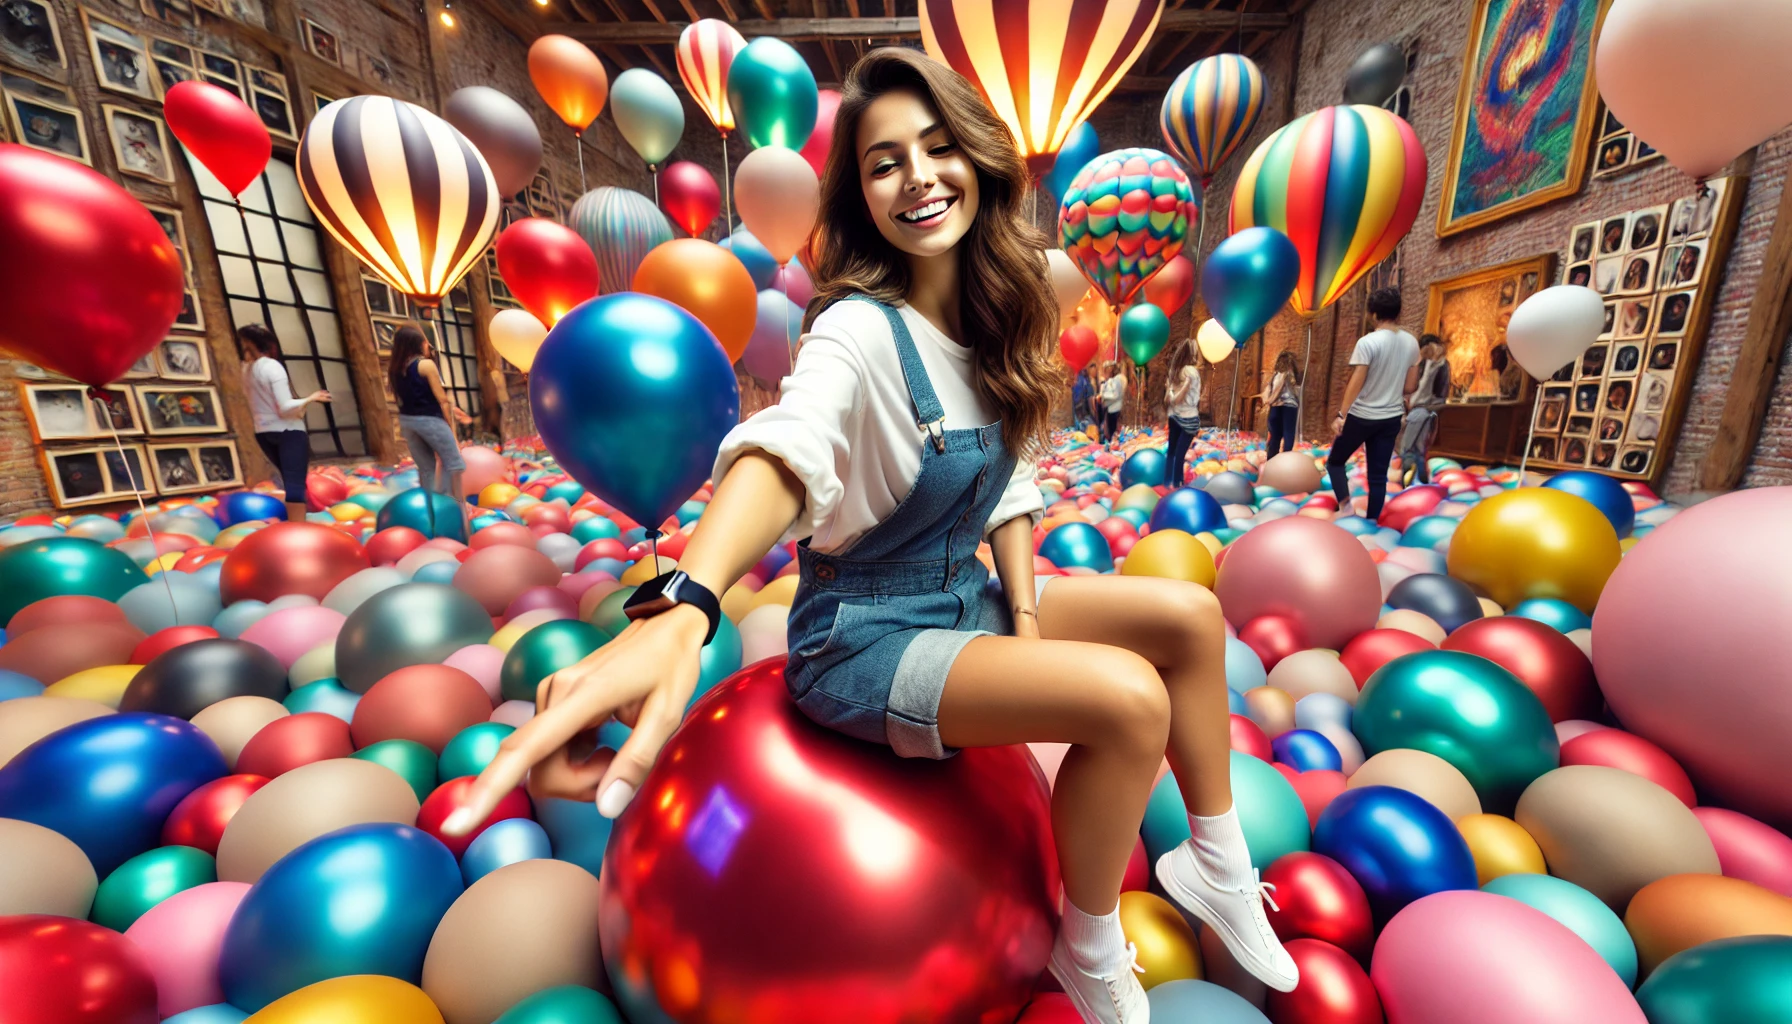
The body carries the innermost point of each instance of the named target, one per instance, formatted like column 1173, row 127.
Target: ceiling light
column 447, row 15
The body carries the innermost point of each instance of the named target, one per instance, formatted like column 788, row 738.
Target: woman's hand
column 319, row 396
column 643, row 678
column 460, row 415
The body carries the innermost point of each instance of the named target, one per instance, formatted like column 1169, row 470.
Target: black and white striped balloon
column 402, row 189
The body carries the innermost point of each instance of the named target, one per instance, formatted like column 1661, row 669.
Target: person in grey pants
column 1422, row 407
column 424, row 412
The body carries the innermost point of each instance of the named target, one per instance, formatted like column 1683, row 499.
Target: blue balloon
column 1188, row 509
column 232, row 621
column 691, row 511
column 1581, row 912
column 752, row 255
column 326, row 695
column 1244, row 669
column 577, row 832
column 217, row 1013
column 248, row 506
column 1305, row 750
column 17, row 684
column 1445, row 599
column 360, row 900
column 436, row 572
column 1396, row 843
column 429, row 513
column 108, row 783
column 632, row 395
column 1145, row 466
column 505, row 842
column 1248, row 278
column 1079, row 148
column 1552, row 612
column 1602, row 492
column 1188, row 999
column 1356, row 526
column 1078, row 544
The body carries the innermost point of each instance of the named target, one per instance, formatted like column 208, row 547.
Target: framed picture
column 1469, row 313
column 180, row 410
column 1614, row 154
column 223, row 71
column 1606, row 273
column 1633, row 317
column 1687, row 264
column 45, row 117
column 1581, row 274
column 1653, row 391
column 1617, row 396
column 320, row 101
column 1603, row 455
column 1543, row 449
column 1611, row 322
column 1580, row 242
column 91, row 475
column 1675, row 309
column 1552, row 409
column 384, row 330
column 1644, row 426
column 1611, row 428
column 1586, row 399
column 380, row 297
column 172, row 62
column 1519, row 144
column 66, row 412
column 322, row 42
column 181, row 468
column 1592, row 364
column 1626, row 360
column 1580, row 426
column 268, row 96
column 139, row 142
column 1645, row 228
column 183, row 358
column 30, row 37
column 1612, row 234
column 190, row 317
column 120, row 57
column 174, row 226
column 1574, row 452
column 1639, row 273
column 174, row 12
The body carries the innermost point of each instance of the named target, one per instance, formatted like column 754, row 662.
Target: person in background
column 1182, row 401
column 1422, row 407
column 1282, row 394
column 1113, row 399
column 1082, row 391
column 426, row 416
column 1384, row 368
column 279, row 415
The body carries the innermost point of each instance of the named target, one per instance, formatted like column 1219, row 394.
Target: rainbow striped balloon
column 706, row 49
column 1124, row 217
column 1210, row 109
column 620, row 226
column 1344, row 184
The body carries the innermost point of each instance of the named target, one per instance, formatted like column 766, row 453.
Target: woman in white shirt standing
column 1182, row 399
column 903, row 437
column 279, row 415
column 1112, row 398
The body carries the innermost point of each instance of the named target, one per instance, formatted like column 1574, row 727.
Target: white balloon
column 516, row 334
column 1213, row 341
column 1067, row 282
column 1553, row 327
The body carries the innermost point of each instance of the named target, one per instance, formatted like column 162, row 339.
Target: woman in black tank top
column 426, row 416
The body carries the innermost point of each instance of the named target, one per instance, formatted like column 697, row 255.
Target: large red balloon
column 89, row 282
column 1553, row 666
column 199, row 819
column 548, row 267
column 827, row 103
column 1172, row 286
column 220, row 130
column 289, row 558
column 689, row 196
column 1319, row 899
column 905, row 889
column 294, row 741
column 1078, row 344
column 1333, row 989
column 57, row 970
column 1371, row 649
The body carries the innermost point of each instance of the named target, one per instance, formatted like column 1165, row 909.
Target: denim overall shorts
column 874, row 629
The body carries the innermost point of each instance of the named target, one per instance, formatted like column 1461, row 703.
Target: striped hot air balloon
column 402, row 190
column 1210, row 109
column 706, row 49
column 1042, row 65
column 1344, row 184
column 620, row 226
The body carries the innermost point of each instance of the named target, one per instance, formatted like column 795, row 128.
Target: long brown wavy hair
column 1008, row 311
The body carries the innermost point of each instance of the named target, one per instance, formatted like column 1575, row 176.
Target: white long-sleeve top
column 271, row 399
column 845, row 426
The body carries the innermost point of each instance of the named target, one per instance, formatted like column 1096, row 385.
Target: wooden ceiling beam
column 880, row 28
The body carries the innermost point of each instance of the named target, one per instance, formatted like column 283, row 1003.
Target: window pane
column 227, row 228
column 304, row 378
column 336, row 379
column 328, row 335
column 263, row 238
column 209, row 186
column 353, row 443
column 289, row 202
column 243, row 313
column 291, row 329
column 301, row 246
column 314, row 288
column 345, row 411
column 274, row 285
column 239, row 276
column 322, row 443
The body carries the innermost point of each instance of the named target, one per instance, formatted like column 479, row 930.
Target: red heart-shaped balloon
column 88, row 280
column 221, row 130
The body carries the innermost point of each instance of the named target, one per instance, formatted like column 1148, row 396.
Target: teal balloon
column 55, row 566
column 568, row 1004
column 1077, row 544
column 217, row 1013
column 544, row 650
column 471, row 750
column 1553, row 612
column 568, row 491
column 761, row 267
column 595, row 528
column 719, row 659
column 409, row 760
column 1427, row 531
column 410, row 624
column 1145, row 466
column 429, row 513
column 1581, row 912
column 577, row 833
column 648, row 113
column 146, row 880
column 1269, row 811
column 1746, row 980
column 608, row 616
column 1136, row 516
column 690, row 511
column 772, row 93
column 1144, row 331
column 326, row 695
column 1079, row 148
column 1190, row 1000
column 1248, row 278
column 1466, row 710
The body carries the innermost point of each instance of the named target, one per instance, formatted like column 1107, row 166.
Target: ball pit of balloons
column 228, row 742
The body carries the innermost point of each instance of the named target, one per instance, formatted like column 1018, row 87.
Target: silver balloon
column 1374, row 77
column 502, row 130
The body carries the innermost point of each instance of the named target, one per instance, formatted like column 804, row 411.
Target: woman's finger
column 538, row 738
column 658, row 720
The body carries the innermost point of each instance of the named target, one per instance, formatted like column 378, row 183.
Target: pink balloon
column 827, row 103
column 484, row 663
column 1749, row 850
column 1050, row 757
column 542, row 597
column 1690, row 647
column 793, row 281
column 181, row 939
column 1471, row 957
column 1310, row 571
column 484, row 467
column 778, row 197
column 777, row 323
column 290, row 632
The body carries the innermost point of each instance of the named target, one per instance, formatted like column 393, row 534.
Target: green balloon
column 544, row 650
column 568, row 1004
column 719, row 659
column 1269, row 811
column 1466, row 710
column 594, row 528
column 146, row 880
column 327, row 695
column 608, row 616
column 1144, row 331
column 1745, row 980
column 372, row 501
column 410, row 624
column 55, row 566
column 773, row 95
column 471, row 750
column 414, row 763
column 429, row 513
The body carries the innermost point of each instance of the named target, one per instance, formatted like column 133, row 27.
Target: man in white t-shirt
column 1384, row 369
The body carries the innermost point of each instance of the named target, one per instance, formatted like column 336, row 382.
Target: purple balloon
column 775, row 330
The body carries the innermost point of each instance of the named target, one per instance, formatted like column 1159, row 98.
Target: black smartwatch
column 662, row 592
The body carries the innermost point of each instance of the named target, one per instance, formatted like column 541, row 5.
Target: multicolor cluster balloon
column 621, row 226
column 1124, row 217
column 1344, row 184
column 1210, row 109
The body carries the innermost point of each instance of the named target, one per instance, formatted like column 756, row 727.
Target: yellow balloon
column 1500, row 846
column 1212, row 543
column 163, row 562
column 1168, row 949
column 356, row 999
column 737, row 602
column 498, row 495
column 507, row 636
column 517, row 335
column 1535, row 542
column 1213, row 341
column 1171, row 554
column 346, row 512
column 647, row 569
column 779, row 591
column 1139, row 496
column 105, row 684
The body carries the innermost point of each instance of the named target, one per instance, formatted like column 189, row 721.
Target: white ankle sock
column 1094, row 942
column 1220, row 848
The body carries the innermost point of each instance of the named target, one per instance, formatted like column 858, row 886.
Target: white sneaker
column 1234, row 913
column 1112, row 998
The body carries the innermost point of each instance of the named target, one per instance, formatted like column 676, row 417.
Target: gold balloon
column 1168, row 950
column 1535, row 542
column 1271, row 709
column 1422, row 774
column 508, row 634
column 1683, row 911
column 647, row 569
column 356, row 999
column 1170, row 554
column 25, row 720
column 234, row 721
column 781, row 590
column 104, row 684
column 1500, row 846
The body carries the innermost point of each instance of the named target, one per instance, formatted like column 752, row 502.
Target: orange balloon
column 570, row 78
column 709, row 282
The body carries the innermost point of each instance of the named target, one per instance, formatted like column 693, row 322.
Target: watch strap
column 674, row 588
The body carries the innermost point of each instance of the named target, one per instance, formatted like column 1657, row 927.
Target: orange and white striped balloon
column 706, row 50
column 1042, row 65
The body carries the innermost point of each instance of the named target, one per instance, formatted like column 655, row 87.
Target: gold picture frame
column 120, row 57
column 180, row 409
column 29, row 36
column 49, row 125
column 195, row 466
column 68, row 412
column 146, row 154
column 95, row 474
column 1469, row 312
column 184, row 357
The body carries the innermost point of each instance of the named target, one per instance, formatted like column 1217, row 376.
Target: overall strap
column 928, row 413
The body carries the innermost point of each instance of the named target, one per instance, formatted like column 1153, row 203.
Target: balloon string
column 1524, row 457
column 578, row 145
column 1306, row 362
column 143, row 510
column 1237, row 364
column 727, row 191
column 656, row 184
column 789, row 342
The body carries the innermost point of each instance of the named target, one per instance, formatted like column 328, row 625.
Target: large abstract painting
column 1525, row 110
